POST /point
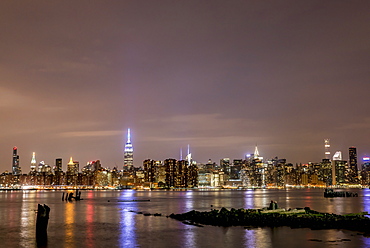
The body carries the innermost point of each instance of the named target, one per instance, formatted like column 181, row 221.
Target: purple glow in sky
column 221, row 76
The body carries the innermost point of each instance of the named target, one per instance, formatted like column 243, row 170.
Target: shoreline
column 84, row 187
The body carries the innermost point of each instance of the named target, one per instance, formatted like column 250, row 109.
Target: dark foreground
column 256, row 218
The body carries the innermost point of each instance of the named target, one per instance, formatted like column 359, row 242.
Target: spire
column 128, row 136
column 188, row 157
column 70, row 161
column 181, row 153
column 33, row 160
column 256, row 153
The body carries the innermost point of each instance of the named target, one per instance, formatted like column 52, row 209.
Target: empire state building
column 128, row 155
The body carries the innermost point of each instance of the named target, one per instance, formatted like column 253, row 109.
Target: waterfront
column 104, row 219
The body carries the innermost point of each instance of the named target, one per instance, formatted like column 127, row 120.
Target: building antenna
column 128, row 136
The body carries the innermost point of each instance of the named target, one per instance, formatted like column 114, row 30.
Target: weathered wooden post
column 70, row 197
column 42, row 221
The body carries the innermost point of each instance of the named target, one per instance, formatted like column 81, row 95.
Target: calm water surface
column 104, row 219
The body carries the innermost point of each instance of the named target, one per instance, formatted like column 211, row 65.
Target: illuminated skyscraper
column 339, row 172
column 128, row 155
column 170, row 165
column 72, row 172
column 58, row 171
column 353, row 158
column 181, row 180
column 58, row 165
column 16, row 169
column 225, row 165
column 188, row 157
column 338, row 168
column 150, row 170
column 326, row 172
column 327, row 148
column 327, row 169
column 33, row 163
column 353, row 170
column 73, row 167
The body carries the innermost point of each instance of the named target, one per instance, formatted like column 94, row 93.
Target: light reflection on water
column 28, row 218
column 100, row 220
column 189, row 236
column 69, row 215
column 127, row 234
column 90, row 213
column 248, row 199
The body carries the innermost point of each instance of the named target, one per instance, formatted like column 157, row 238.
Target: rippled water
column 105, row 219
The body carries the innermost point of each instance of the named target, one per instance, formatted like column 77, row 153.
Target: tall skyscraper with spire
column 128, row 155
column 73, row 167
column 33, row 163
column 327, row 148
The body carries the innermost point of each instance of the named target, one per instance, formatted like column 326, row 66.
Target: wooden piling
column 70, row 197
column 42, row 221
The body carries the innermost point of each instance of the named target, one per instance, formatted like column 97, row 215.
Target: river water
column 110, row 219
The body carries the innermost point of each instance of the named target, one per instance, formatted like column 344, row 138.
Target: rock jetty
column 296, row 218
column 332, row 193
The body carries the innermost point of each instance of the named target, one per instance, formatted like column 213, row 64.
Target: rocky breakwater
column 297, row 218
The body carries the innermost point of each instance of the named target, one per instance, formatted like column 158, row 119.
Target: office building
column 352, row 161
column 16, row 169
column 58, row 165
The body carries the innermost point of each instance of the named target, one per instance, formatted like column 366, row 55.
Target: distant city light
column 366, row 158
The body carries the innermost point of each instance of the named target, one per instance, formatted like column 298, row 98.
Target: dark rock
column 252, row 217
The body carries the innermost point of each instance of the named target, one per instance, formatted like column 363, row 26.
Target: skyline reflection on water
column 109, row 219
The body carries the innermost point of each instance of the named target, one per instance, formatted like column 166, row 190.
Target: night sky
column 221, row 76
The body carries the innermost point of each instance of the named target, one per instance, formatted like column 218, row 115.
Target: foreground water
column 105, row 219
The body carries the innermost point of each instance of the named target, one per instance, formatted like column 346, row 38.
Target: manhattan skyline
column 219, row 76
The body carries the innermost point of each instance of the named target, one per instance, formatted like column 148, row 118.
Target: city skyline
column 219, row 76
column 353, row 160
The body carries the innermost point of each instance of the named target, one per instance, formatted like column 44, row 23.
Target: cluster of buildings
column 251, row 172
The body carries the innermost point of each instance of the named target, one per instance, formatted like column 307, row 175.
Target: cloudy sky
column 221, row 76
